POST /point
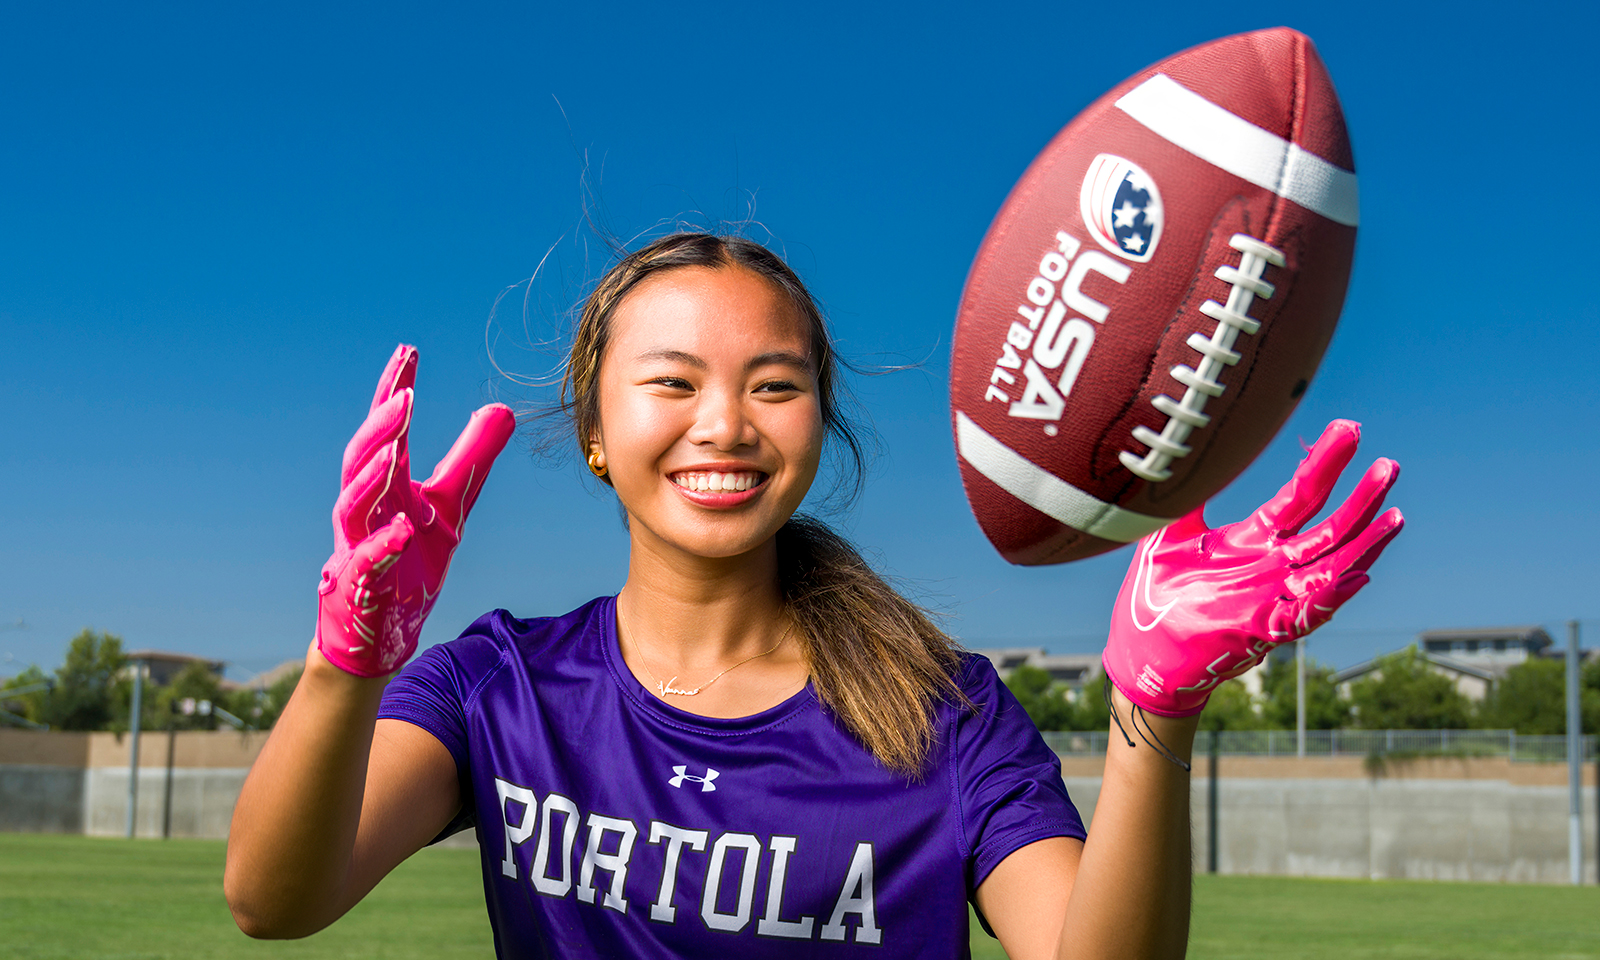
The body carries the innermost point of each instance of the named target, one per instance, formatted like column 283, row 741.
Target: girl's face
column 709, row 417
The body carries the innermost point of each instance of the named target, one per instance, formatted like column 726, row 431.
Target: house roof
column 1527, row 632
column 1005, row 657
column 170, row 657
column 1447, row 663
column 267, row 678
column 1067, row 666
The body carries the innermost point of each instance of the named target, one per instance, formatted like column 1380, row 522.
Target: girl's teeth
column 717, row 482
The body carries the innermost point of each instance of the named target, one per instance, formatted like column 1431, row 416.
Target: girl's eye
column 777, row 386
column 675, row 383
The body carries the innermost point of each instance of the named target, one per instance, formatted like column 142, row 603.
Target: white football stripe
column 1238, row 146
column 1046, row 492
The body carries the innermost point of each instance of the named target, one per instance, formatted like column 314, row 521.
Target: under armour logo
column 682, row 771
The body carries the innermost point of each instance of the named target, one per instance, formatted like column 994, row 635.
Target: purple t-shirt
column 614, row 825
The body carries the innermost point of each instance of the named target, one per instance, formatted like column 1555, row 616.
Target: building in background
column 1497, row 648
column 1072, row 669
column 164, row 665
column 1474, row 659
column 263, row 681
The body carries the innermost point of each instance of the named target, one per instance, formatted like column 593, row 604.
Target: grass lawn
column 1278, row 918
column 72, row 897
column 80, row 897
column 1270, row 918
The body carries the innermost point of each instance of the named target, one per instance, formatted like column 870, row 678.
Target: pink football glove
column 1200, row 606
column 392, row 537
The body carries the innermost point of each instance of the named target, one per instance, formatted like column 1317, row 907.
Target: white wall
column 1380, row 828
column 1485, row 830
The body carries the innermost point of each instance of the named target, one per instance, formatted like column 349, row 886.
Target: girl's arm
column 1198, row 607
column 338, row 798
column 1123, row 893
column 333, row 803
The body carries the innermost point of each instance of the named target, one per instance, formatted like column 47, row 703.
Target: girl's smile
column 710, row 425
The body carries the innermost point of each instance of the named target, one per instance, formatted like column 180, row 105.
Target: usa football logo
column 1121, row 207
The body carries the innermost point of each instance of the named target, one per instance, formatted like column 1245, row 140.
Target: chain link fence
column 1356, row 743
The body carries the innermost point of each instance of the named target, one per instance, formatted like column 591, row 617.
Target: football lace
column 1187, row 415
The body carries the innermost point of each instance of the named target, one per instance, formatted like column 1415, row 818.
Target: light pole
column 1300, row 698
column 1574, row 761
column 133, row 745
column 1212, row 857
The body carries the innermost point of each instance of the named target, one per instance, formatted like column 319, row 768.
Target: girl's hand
column 393, row 538
column 1200, row 606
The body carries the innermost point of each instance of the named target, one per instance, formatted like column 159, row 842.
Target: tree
column 1530, row 699
column 1043, row 698
column 1089, row 710
column 150, row 715
column 1325, row 708
column 276, row 699
column 1230, row 708
column 194, row 682
column 1589, row 680
column 84, row 694
column 1404, row 693
column 29, row 706
column 261, row 708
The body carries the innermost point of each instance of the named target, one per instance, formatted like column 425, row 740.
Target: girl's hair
column 877, row 661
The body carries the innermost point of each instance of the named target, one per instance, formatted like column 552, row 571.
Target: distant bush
column 1043, row 698
column 28, row 706
column 1056, row 706
column 1532, row 699
column 261, row 708
column 1326, row 709
column 1231, row 707
column 93, row 690
column 1404, row 693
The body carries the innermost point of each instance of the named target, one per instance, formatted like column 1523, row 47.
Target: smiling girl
column 756, row 747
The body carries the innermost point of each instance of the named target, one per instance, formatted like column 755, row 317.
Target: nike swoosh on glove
column 393, row 537
column 1200, row 606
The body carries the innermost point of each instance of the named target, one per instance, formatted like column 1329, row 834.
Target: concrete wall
column 33, row 748
column 202, row 801
column 41, row 781
column 191, row 749
column 1444, row 819
column 1447, row 819
column 78, row 782
column 38, row 798
column 58, row 782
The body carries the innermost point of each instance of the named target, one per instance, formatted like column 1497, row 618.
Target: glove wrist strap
column 1150, row 738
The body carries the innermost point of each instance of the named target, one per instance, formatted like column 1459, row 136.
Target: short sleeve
column 434, row 692
column 1007, row 782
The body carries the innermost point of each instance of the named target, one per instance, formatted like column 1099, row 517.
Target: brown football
column 1153, row 298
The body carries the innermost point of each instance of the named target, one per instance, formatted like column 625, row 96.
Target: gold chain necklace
column 667, row 688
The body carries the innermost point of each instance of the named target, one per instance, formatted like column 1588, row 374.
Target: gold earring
column 597, row 465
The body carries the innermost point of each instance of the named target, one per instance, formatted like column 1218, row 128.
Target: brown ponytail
column 876, row 660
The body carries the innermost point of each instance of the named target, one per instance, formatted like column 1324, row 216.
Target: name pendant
column 666, row 688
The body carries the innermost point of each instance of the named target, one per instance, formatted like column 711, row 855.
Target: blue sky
column 217, row 223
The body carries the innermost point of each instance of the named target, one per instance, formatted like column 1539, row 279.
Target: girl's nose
column 721, row 422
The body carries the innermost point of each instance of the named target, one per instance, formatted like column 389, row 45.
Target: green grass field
column 78, row 897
